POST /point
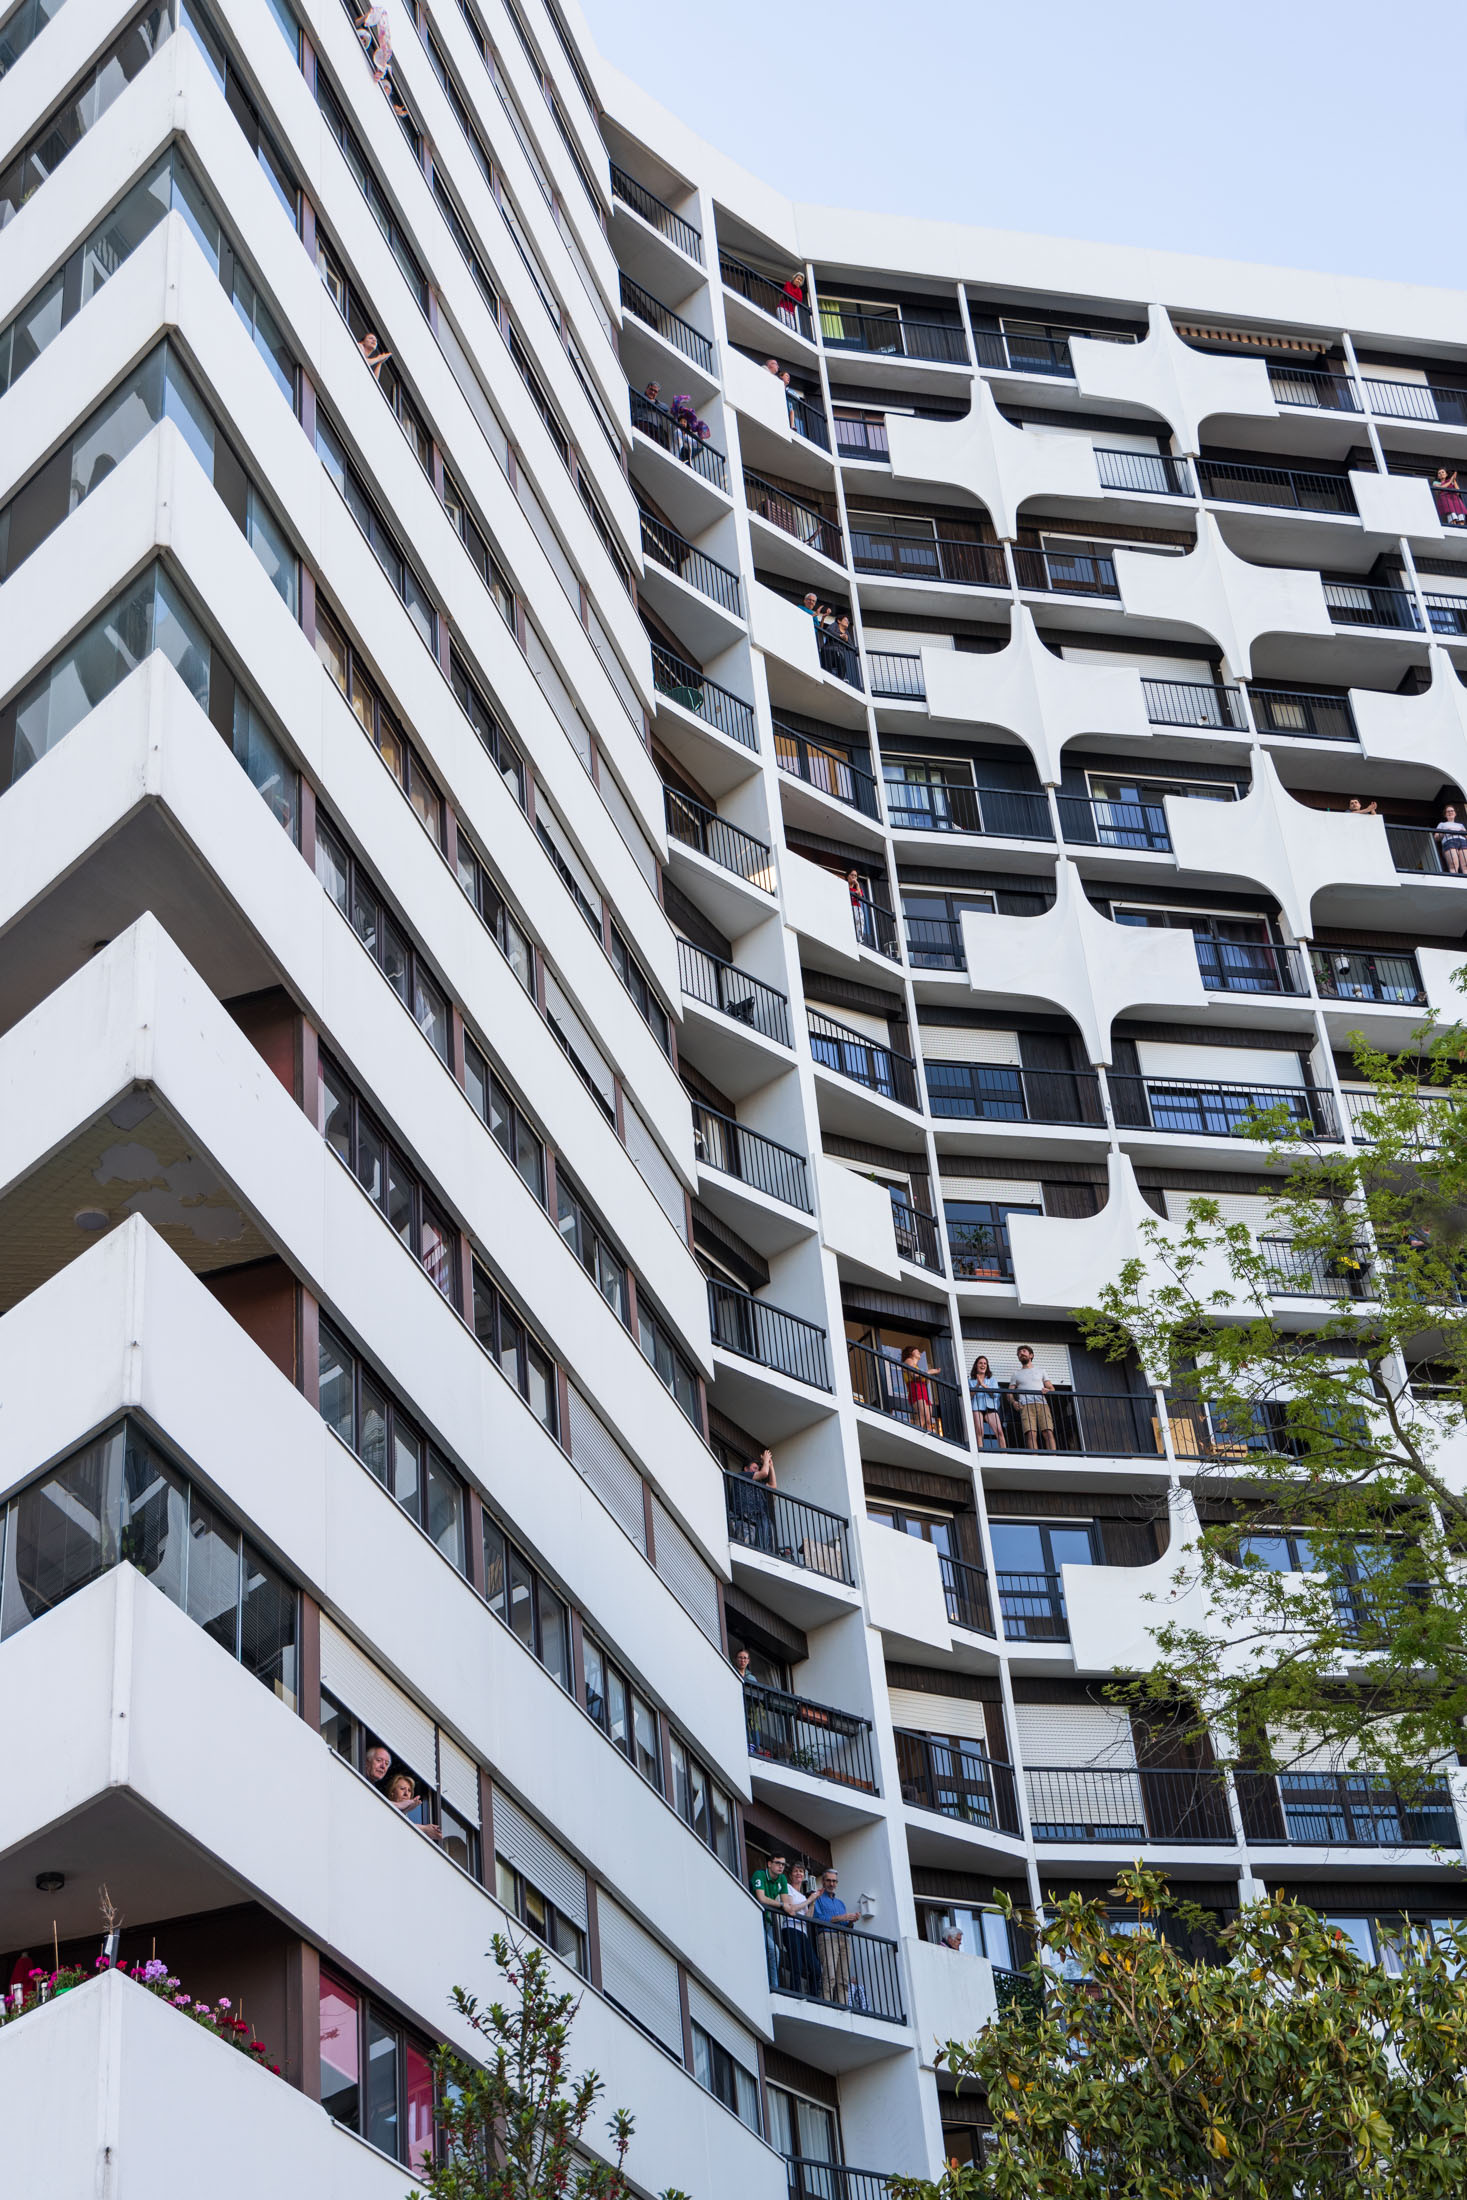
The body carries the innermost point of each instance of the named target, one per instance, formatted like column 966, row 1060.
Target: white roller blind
column 1052, row 1360
column 616, row 672
column 458, row 1778
column 545, row 534
column 1074, row 1734
column 473, row 389
column 720, row 2026
column 921, row 1713
column 902, row 642
column 1219, row 1065
column 952, row 1043
column 556, row 694
column 599, row 1457
column 857, row 1019
column 639, row 1975
column 579, row 1040
column 549, row 825
column 1013, row 1192
column 1249, row 1207
column 1150, row 668
column 378, row 1702
column 544, row 1863
column 688, row 1575
column 624, row 819
column 654, row 1167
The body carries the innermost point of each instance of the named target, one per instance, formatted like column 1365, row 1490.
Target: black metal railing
column 807, row 420
column 1103, row 823
column 965, row 1593
column 693, row 825
column 891, row 336
column 670, row 326
column 916, row 1234
column 1032, row 1606
column 1362, row 1113
column 765, row 293
column 836, row 1964
column 771, row 1335
column 839, row 657
column 1362, row 974
column 957, row 1779
column 661, row 216
column 1416, row 401
column 876, row 927
column 980, row 1252
column 929, row 558
column 1303, row 1272
column 1416, row 848
column 896, row 675
column 1446, row 614
column 1370, row 603
column 829, row 771
column 1067, row 572
column 809, row 1737
column 994, row 1093
column 917, row 1396
column 927, row 806
column 793, row 517
column 719, row 984
column 1097, row 1424
column 1020, row 354
column 1301, row 712
column 1153, row 473
column 1228, row 481
column 788, row 1528
column 1201, row 1430
column 1099, row 1803
column 881, row 1069
column 1249, row 966
column 667, row 548
column 733, row 1149
column 683, row 683
column 863, row 439
column 1011, row 1990
column 835, row 2180
column 935, row 943
column 658, row 425
column 1218, row 1110
column 1345, row 1810
column 1194, row 703
column 1313, row 389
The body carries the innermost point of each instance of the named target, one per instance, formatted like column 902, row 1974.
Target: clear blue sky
column 1309, row 133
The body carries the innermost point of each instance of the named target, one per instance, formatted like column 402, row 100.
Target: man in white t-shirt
column 1036, row 1421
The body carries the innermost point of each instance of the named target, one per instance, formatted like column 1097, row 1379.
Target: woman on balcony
column 1451, row 509
column 796, row 1939
column 983, row 1391
column 1451, row 837
column 919, row 1391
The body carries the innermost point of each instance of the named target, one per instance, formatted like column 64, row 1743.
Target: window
column 376, row 2076
column 105, row 81
column 477, row 543
column 538, row 398
column 592, row 1249
column 505, row 755
column 535, row 1910
column 363, row 322
column 371, row 190
column 380, row 1765
column 518, row 1594
column 382, row 542
column 378, row 724
column 728, row 2081
column 557, row 844
column 985, row 1932
column 384, row 939
column 242, row 107
column 458, row 229
column 505, row 1119
column 479, row 883
column 667, row 1360
column 370, row 1422
column 391, row 1184
column 519, row 1355
column 621, row 1712
column 803, row 2131
column 637, row 983
column 702, row 1804
column 978, row 1238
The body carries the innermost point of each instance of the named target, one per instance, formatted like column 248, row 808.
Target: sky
column 1307, row 133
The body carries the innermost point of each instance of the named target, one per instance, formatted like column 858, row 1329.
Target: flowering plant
column 155, row 1978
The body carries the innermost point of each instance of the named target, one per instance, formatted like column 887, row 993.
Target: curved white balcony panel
column 817, row 903
column 1222, row 595
column 1115, row 1610
column 1035, row 694
column 904, row 1593
column 855, row 1218
column 1428, row 729
column 1061, row 1264
column 754, row 390
column 1294, row 851
column 1184, row 386
column 1396, row 505
column 1439, row 967
column 952, row 1996
column 787, row 633
column 1073, row 956
column 998, row 464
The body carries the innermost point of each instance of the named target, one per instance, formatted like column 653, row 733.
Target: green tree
column 1287, row 2069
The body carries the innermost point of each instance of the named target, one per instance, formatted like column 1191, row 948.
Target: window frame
column 394, row 1415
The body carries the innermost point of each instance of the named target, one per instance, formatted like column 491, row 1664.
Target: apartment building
column 420, row 467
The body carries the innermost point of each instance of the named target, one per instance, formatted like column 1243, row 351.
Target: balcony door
column 1234, row 954
column 978, row 1237
column 929, row 794
column 1027, row 1557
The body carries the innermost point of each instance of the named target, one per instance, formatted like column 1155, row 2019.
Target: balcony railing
column 683, row 683
column 836, row 1964
column 916, row 1235
column 1369, row 603
column 1415, row 401
column 929, row 558
column 1018, row 354
column 849, row 1053
column 835, row 2181
column 1092, row 1803
column 990, row 1093
column 980, row 1252
column 935, row 943
column 1032, row 1607
column 965, row 1593
column 1300, row 712
column 788, row 1528
column 670, row 326
column 876, row 927
column 770, row 1335
column 809, row 1737
column 957, row 1779
column 1226, row 481
column 765, row 293
column 1152, row 473
column 1067, row 572
column 667, row 548
column 654, row 210
column 840, row 658
column 1107, row 824
column 1096, row 1424
column 1194, row 703
column 1302, row 1272
column 1009, row 813
column 842, row 329
column 896, row 676
column 1249, row 966
column 718, row 984
column 917, row 1396
column 862, row 439
column 1201, row 1430
column 657, row 424
column 793, row 517
column 1313, row 389
column 1360, row 974
column 1446, row 614
column 829, row 771
column 807, row 420
column 1217, row 1110
column 734, row 1150
column 1345, row 1810
column 1362, row 1114
column 1415, row 848
column 693, row 825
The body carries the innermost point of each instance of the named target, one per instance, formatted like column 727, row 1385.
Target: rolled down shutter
column 688, row 1576
column 599, row 1457
column 544, row 1863
column 378, row 1702
column 660, row 1176
column 720, row 2026
column 921, row 1713
column 564, row 1019
column 639, row 1975
column 1078, row 1735
column 958, row 1043
column 458, row 1779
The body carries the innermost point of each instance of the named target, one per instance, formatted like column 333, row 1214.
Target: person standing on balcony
column 919, row 1390
column 794, row 1931
column 755, row 1499
column 983, row 1391
column 1451, row 837
column 1035, row 1417
column 1450, row 507
column 833, row 1943
column 769, row 1887
column 794, row 298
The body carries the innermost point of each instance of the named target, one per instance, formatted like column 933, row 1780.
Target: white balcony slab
column 1295, row 851
column 1221, row 595
column 1429, row 729
column 1115, row 1611
column 997, row 464
column 817, row 903
column 904, row 1594
column 1035, row 694
column 755, row 391
column 856, row 1218
column 1184, row 386
column 1396, row 505
column 952, row 1995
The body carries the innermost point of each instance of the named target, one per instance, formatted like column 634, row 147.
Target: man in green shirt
column 769, row 1887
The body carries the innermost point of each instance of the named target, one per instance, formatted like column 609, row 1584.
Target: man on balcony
column 1036, row 1420
column 769, row 1886
column 833, row 1942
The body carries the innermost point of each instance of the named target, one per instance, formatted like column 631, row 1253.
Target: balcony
column 1447, row 614
column 1032, row 1607
column 980, row 1252
column 1344, row 1810
column 1218, row 1110
column 658, row 425
column 1312, row 390
column 657, row 214
column 1203, row 703
column 1148, row 473
column 896, row 676
column 882, row 1070
column 693, row 825
column 718, row 984
column 1067, row 573
column 670, row 326
column 916, row 1235
column 675, row 554
column 1414, row 848
column 810, row 1737
column 792, row 517
column 957, row 1779
column 1302, row 1272
column 835, row 2181
column 1249, row 966
column 987, row 1093
column 965, row 1593
column 769, row 1335
column 1299, row 711
column 1415, row 401
column 875, row 927
column 862, row 440
column 1369, row 603
column 1020, row 354
column 962, row 564
column 891, row 335
column 717, row 706
column 1087, row 1803
column 1225, row 481
column 1095, row 1424
column 828, row 771
column 1006, row 813
column 1359, row 974
column 1108, row 824
column 787, row 1528
column 762, row 291
column 918, row 1397
column 838, row 1965
column 935, row 943
column 727, row 1145
column 808, row 420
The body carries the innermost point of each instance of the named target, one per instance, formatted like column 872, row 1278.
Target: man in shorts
column 1036, row 1420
